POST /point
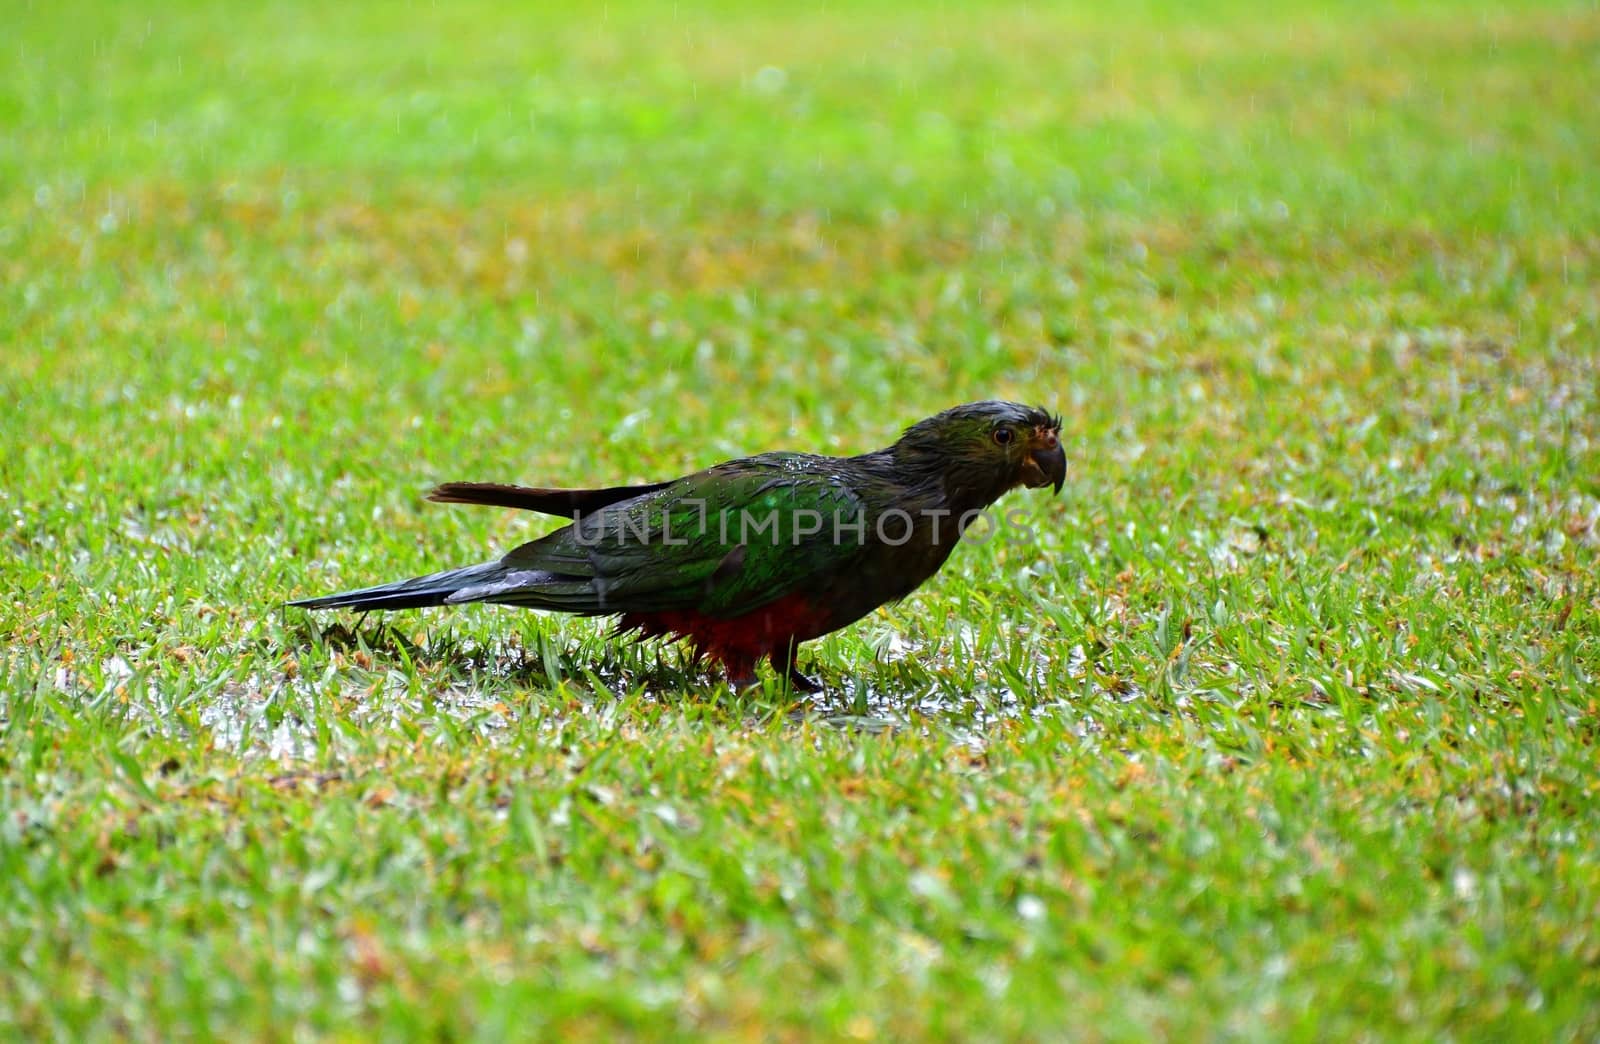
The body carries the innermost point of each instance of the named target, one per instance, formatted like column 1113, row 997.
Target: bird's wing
column 723, row 542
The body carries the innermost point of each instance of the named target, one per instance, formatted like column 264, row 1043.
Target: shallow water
column 497, row 685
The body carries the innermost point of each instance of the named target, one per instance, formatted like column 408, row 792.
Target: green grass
column 1283, row 723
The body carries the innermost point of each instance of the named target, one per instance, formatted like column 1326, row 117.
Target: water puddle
column 460, row 690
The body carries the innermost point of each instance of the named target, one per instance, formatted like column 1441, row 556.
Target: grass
column 1281, row 724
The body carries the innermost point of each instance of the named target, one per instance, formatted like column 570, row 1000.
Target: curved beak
column 1046, row 463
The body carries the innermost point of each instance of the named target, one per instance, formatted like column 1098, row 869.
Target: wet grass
column 1280, row 722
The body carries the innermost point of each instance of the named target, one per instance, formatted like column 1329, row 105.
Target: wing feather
column 724, row 541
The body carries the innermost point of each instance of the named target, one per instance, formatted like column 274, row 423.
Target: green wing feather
column 723, row 541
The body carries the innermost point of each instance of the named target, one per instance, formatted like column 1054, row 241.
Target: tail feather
column 563, row 503
column 490, row 582
column 416, row 593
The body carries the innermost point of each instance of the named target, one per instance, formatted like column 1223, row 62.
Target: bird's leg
column 783, row 663
column 741, row 672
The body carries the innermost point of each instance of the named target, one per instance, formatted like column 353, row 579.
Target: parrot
column 745, row 560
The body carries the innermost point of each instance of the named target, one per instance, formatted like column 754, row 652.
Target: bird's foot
column 742, row 676
column 783, row 663
column 800, row 683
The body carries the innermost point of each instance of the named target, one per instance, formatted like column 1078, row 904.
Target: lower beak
column 1051, row 464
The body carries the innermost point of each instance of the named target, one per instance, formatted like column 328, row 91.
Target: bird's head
column 982, row 449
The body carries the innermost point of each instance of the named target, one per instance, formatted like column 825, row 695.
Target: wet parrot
column 747, row 559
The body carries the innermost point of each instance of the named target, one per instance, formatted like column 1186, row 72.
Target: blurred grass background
column 1282, row 723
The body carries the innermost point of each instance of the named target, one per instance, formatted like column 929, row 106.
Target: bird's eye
column 1003, row 436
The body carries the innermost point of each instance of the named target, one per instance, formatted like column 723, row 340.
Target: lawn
column 1280, row 722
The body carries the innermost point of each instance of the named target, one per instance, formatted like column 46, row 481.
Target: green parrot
column 747, row 559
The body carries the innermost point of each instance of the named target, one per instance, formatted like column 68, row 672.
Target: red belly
column 739, row 641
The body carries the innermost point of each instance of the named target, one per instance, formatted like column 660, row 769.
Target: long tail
column 433, row 589
column 490, row 582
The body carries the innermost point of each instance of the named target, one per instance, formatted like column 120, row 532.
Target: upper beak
column 1047, row 462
